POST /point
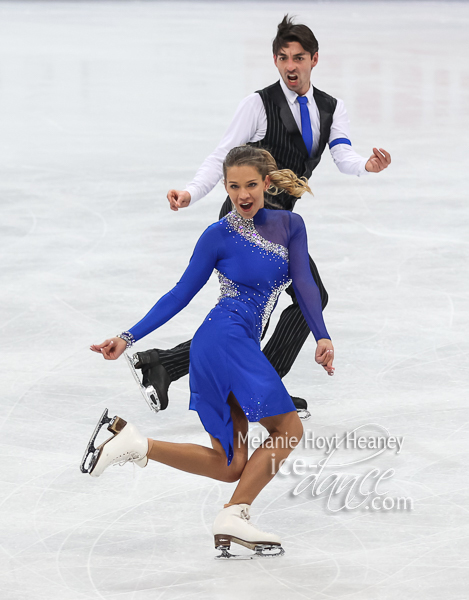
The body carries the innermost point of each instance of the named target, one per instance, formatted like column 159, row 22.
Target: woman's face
column 246, row 189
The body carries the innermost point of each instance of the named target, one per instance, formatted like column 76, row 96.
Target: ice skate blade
column 90, row 448
column 303, row 414
column 116, row 424
column 149, row 393
column 260, row 551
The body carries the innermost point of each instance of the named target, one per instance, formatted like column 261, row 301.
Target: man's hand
column 325, row 355
column 379, row 160
column 178, row 199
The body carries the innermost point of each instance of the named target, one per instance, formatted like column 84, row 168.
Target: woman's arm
column 307, row 292
column 201, row 265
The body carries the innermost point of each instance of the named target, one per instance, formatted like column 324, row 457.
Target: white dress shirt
column 249, row 124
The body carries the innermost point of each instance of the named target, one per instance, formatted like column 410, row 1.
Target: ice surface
column 103, row 107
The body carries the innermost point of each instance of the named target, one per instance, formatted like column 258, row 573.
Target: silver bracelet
column 127, row 337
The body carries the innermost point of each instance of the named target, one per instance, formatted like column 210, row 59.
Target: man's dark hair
column 287, row 32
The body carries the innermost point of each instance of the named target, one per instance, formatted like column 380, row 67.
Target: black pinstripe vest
column 283, row 139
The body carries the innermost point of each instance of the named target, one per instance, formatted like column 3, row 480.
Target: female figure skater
column 256, row 253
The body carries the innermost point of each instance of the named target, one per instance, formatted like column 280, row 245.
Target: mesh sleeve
column 306, row 290
column 201, row 265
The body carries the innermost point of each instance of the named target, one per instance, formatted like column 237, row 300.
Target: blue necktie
column 306, row 130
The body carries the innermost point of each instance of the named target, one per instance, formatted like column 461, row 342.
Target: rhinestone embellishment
column 245, row 228
column 228, row 288
column 271, row 301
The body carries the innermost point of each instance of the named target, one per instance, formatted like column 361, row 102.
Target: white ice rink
column 103, row 107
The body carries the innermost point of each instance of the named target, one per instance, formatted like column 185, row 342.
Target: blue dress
column 255, row 260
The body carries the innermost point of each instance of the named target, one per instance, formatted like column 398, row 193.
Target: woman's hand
column 325, row 355
column 111, row 349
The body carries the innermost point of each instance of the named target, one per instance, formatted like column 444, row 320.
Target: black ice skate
column 301, row 408
column 148, row 391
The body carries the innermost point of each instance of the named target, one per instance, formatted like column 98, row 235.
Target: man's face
column 295, row 66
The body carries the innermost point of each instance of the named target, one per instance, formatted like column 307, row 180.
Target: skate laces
column 245, row 515
column 133, row 456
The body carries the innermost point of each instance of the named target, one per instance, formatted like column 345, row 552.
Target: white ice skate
column 148, row 392
column 126, row 445
column 232, row 525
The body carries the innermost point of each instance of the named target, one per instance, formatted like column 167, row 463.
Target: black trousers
column 282, row 348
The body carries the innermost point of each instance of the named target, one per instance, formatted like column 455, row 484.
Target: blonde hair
column 281, row 180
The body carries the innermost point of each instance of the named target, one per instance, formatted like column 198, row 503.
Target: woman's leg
column 286, row 432
column 209, row 462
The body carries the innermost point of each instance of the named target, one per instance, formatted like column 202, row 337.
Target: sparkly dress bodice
column 265, row 275
column 255, row 259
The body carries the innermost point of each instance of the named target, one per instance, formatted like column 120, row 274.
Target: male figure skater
column 295, row 122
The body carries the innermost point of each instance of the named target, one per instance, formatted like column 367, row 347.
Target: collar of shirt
column 312, row 107
column 291, row 96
